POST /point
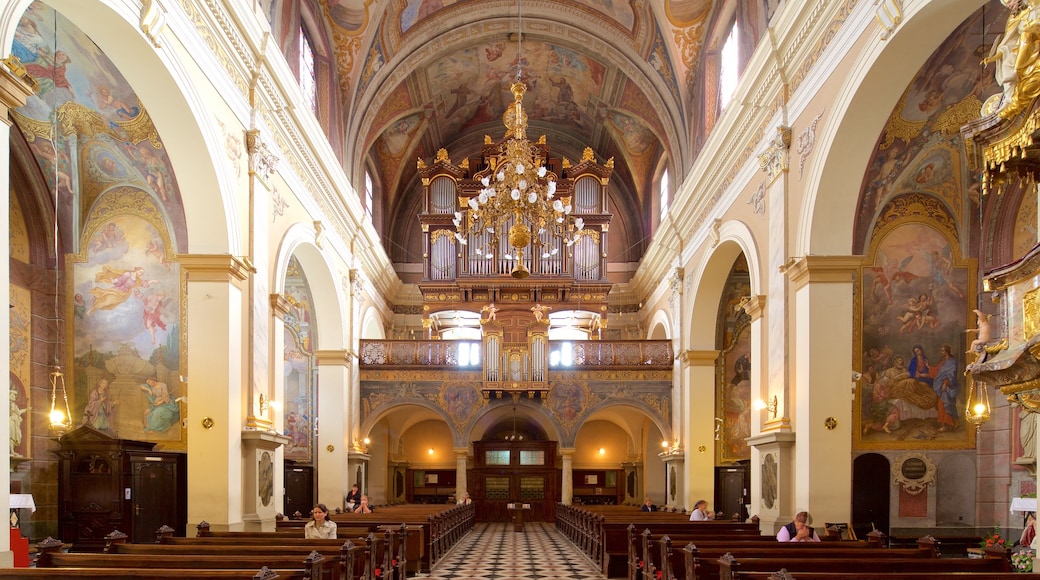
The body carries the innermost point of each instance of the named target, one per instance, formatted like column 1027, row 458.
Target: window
column 368, row 194
column 532, row 457
column 664, row 192
column 562, row 355
column 308, row 76
column 728, row 73
column 469, row 354
column 497, row 457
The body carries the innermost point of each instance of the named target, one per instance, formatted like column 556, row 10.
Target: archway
column 870, row 494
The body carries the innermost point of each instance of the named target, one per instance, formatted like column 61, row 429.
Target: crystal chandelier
column 514, row 435
column 518, row 193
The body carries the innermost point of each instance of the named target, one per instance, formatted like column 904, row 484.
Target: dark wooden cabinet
column 107, row 484
column 598, row 486
column 430, row 485
column 507, row 473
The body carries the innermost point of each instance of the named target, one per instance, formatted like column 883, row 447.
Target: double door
column 508, row 477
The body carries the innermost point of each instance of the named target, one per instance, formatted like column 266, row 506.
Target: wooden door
column 732, row 491
column 155, row 496
column 870, row 494
column 299, row 490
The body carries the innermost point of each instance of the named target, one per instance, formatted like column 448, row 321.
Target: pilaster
column 822, row 388
column 461, row 466
column 567, row 490
column 216, row 388
column 698, row 375
column 333, row 438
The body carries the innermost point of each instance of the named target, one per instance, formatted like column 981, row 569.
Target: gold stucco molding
column 754, row 306
column 15, row 88
column 214, row 267
column 698, row 358
column 340, row 357
column 823, row 270
column 280, row 306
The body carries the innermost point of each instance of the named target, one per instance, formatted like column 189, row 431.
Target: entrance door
column 299, row 490
column 870, row 494
column 514, row 473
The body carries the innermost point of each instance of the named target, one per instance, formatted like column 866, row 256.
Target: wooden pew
column 152, row 573
column 785, row 575
column 937, row 567
column 343, row 530
column 701, row 560
column 311, row 567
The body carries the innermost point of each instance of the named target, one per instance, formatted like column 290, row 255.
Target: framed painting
column 912, row 306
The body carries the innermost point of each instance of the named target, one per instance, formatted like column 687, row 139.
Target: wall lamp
column 266, row 404
column 770, row 406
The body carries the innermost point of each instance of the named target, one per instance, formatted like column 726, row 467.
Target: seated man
column 798, row 531
column 648, row 505
column 363, row 508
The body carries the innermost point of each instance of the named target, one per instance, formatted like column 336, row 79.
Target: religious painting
column 125, row 317
column 567, row 402
column 415, row 11
column 459, row 401
column 914, row 296
column 299, row 367
column 733, row 368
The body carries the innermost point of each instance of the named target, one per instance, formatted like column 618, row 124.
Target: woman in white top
column 320, row 528
column 700, row 511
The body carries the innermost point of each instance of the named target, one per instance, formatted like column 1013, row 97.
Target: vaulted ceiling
column 421, row 75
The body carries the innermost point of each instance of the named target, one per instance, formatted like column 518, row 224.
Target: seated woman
column 363, row 507
column 648, row 505
column 353, row 497
column 700, row 512
column 320, row 528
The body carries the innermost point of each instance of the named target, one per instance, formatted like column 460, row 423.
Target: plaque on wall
column 914, row 472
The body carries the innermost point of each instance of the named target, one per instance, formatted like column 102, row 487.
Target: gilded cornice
column 214, row 268
column 755, row 306
column 824, row 270
column 16, row 86
column 340, row 357
column 698, row 358
column 280, row 306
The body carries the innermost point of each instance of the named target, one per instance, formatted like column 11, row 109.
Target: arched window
column 729, row 72
column 665, row 195
column 308, row 72
column 369, row 195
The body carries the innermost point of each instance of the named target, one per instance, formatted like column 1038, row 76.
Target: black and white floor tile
column 495, row 551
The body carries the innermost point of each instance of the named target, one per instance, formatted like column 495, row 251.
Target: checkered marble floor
column 495, row 551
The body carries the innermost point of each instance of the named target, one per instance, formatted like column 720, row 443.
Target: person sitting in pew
column 700, row 512
column 363, row 507
column 648, row 505
column 353, row 497
column 320, row 528
column 798, row 531
column 465, row 499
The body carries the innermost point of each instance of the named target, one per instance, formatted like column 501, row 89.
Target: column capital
column 280, row 305
column 16, row 86
column 822, row 269
column 755, row 306
column 566, row 451
column 698, row 358
column 215, row 267
column 341, row 357
column 461, row 451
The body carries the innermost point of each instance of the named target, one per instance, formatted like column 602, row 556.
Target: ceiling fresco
column 420, row 75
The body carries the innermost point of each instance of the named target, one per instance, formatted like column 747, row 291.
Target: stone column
column 822, row 384
column 755, row 307
column 280, row 307
column 216, row 388
column 14, row 90
column 699, row 416
column 461, row 455
column 333, row 428
column 567, row 491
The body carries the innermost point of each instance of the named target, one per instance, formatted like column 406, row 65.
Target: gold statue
column 1015, row 54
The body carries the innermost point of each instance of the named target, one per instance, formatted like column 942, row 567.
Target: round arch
column 403, row 415
column 493, row 414
column 299, row 241
column 372, row 325
column 660, row 329
column 874, row 85
column 182, row 117
column 710, row 277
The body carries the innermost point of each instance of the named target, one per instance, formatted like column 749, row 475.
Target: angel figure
column 539, row 311
column 491, row 310
column 984, row 331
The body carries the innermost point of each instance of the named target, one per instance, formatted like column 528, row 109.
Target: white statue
column 16, row 423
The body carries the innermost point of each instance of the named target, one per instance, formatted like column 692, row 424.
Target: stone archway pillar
column 698, row 415
column 333, row 436
column 216, row 387
column 755, row 308
column 13, row 93
column 821, row 392
column 567, row 489
column 461, row 464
